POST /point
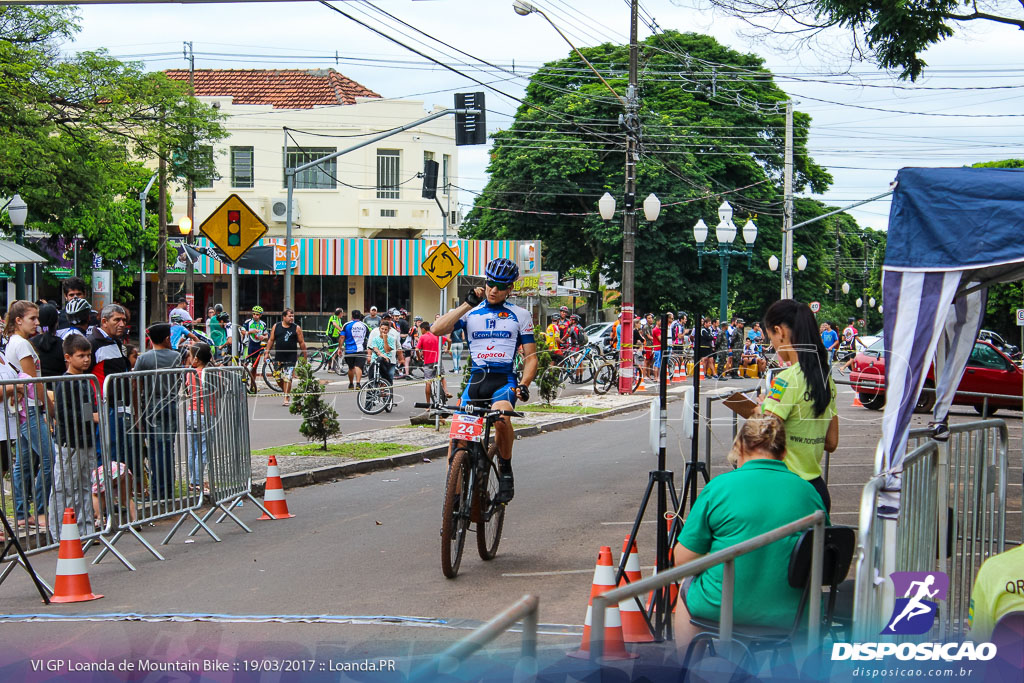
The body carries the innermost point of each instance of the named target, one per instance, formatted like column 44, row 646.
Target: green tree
column 893, row 34
column 319, row 420
column 78, row 132
column 712, row 128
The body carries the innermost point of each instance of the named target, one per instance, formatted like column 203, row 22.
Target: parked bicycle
column 327, row 356
column 471, row 485
column 377, row 394
column 607, row 375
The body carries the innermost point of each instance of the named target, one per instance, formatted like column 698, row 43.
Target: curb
column 349, row 469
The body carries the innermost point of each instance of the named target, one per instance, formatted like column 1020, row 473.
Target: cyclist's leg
column 504, row 399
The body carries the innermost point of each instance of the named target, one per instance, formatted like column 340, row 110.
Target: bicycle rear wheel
column 271, row 378
column 488, row 515
column 373, row 397
column 604, row 378
column 454, row 513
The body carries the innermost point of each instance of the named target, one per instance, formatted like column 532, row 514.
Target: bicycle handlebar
column 470, row 409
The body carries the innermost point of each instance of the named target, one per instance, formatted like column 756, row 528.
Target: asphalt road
column 368, row 548
column 270, row 423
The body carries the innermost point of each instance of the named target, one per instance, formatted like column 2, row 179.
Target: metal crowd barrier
column 228, row 444
column 726, row 556
column 150, row 431
column 952, row 516
column 524, row 609
column 51, row 443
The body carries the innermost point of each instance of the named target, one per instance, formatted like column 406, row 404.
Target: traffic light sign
column 234, row 228
column 430, row 179
column 470, row 129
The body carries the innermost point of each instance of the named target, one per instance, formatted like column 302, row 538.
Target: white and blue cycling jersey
column 494, row 332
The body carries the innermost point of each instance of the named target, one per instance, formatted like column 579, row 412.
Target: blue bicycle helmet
column 502, row 270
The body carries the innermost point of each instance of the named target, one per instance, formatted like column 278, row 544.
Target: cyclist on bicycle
column 255, row 333
column 334, row 327
column 384, row 343
column 179, row 330
column 495, row 329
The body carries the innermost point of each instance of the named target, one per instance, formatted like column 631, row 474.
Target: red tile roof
column 282, row 88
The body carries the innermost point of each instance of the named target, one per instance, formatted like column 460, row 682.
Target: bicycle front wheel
column 374, row 396
column 488, row 515
column 604, row 378
column 272, row 377
column 454, row 514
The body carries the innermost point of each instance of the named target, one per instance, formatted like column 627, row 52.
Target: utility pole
column 839, row 273
column 626, row 369
column 161, row 248
column 190, row 206
column 787, row 221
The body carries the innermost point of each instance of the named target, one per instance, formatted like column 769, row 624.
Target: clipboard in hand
column 742, row 404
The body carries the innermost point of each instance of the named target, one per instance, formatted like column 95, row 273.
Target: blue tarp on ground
column 956, row 218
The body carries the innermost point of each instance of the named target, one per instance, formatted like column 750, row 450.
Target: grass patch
column 572, row 410
column 359, row 450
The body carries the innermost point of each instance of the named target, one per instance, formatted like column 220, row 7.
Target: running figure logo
column 915, row 612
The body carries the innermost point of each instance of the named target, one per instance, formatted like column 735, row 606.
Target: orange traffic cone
column 604, row 581
column 273, row 493
column 856, row 401
column 641, row 386
column 72, row 584
column 702, row 377
column 682, row 372
column 634, row 625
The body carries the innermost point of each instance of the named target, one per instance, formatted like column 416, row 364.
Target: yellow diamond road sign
column 442, row 265
column 233, row 227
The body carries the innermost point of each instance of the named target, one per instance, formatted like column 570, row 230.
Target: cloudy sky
column 866, row 124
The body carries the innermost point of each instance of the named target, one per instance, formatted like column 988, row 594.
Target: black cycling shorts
column 484, row 389
column 356, row 360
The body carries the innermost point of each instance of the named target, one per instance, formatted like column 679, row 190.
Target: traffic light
column 430, row 179
column 470, row 129
column 234, row 228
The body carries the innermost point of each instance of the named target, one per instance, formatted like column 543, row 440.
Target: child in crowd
column 131, row 352
column 196, row 419
column 75, row 436
column 122, row 490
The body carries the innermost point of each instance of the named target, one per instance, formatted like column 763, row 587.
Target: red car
column 989, row 371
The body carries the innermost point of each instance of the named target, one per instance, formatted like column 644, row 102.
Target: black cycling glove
column 524, row 393
column 471, row 298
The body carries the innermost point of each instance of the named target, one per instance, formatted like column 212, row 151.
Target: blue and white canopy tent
column 953, row 232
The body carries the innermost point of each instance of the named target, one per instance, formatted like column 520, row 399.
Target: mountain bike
column 471, row 485
column 607, row 375
column 376, row 395
column 328, row 356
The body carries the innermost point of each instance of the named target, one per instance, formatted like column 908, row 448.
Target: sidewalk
column 425, row 443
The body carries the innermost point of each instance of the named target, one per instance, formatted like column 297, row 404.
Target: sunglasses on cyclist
column 501, row 286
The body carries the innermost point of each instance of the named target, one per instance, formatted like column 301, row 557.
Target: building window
column 446, row 164
column 428, row 156
column 388, row 170
column 205, row 170
column 241, row 167
column 389, row 213
column 323, row 176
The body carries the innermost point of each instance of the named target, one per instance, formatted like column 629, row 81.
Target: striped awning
column 354, row 256
column 12, row 252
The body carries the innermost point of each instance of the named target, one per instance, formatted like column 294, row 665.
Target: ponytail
column 810, row 350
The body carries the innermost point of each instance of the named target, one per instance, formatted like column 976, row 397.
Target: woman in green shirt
column 803, row 395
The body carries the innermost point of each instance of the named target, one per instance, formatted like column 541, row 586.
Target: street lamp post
column 652, row 209
column 17, row 211
column 185, row 228
column 801, row 265
column 725, row 233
